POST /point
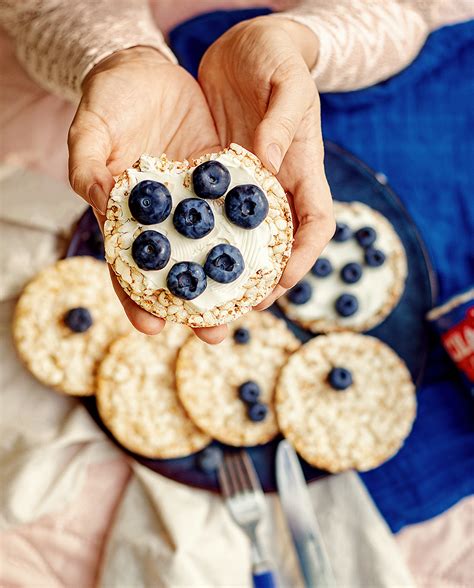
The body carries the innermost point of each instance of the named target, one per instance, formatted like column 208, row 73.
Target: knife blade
column 301, row 518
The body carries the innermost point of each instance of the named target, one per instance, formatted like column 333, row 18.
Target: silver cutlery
column 296, row 503
column 245, row 500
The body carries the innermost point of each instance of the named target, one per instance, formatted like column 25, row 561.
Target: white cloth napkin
column 168, row 535
column 164, row 533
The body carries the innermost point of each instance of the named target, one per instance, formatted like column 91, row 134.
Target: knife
column 301, row 519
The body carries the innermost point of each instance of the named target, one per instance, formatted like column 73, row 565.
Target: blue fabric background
column 418, row 129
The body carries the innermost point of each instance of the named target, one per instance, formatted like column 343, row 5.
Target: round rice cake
column 209, row 378
column 264, row 249
column 378, row 289
column 137, row 398
column 359, row 425
column 58, row 356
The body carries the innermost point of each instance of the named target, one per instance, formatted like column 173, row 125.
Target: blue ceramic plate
column 404, row 330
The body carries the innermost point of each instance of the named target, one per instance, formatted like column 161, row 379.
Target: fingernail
column 274, row 156
column 97, row 198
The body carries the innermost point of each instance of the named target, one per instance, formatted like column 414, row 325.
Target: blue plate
column 405, row 330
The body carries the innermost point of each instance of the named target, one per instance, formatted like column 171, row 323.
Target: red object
column 459, row 343
column 454, row 321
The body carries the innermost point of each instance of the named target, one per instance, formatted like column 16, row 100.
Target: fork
column 245, row 500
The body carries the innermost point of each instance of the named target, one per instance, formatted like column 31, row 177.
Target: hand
column 136, row 102
column 257, row 81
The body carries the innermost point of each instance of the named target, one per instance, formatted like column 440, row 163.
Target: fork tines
column 237, row 474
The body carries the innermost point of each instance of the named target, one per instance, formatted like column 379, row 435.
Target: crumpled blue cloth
column 418, row 129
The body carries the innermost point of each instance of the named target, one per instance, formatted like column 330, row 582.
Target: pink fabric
column 26, row 110
column 170, row 13
column 440, row 552
column 33, row 123
column 65, row 548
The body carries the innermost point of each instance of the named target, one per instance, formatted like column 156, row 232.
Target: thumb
column 289, row 101
column 89, row 149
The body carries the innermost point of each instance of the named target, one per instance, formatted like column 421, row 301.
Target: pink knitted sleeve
column 58, row 42
column 362, row 42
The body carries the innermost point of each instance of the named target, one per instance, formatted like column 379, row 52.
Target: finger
column 270, row 299
column 289, row 101
column 316, row 226
column 212, row 335
column 149, row 324
column 141, row 319
column 89, row 149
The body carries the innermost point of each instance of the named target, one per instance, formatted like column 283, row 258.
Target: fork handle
column 264, row 579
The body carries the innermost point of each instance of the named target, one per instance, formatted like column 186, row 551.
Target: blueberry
column 366, row 236
column 257, row 412
column 342, row 233
column 347, row 305
column 151, row 250
column 209, row 459
column 224, row 263
column 78, row 319
column 150, row 202
column 374, row 257
column 340, row 378
column 322, row 267
column 351, row 273
column 249, row 392
column 246, row 206
column 241, row 336
column 301, row 293
column 186, row 280
column 211, row 179
column 193, row 218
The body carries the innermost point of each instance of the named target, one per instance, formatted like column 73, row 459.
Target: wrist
column 304, row 40
column 140, row 55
